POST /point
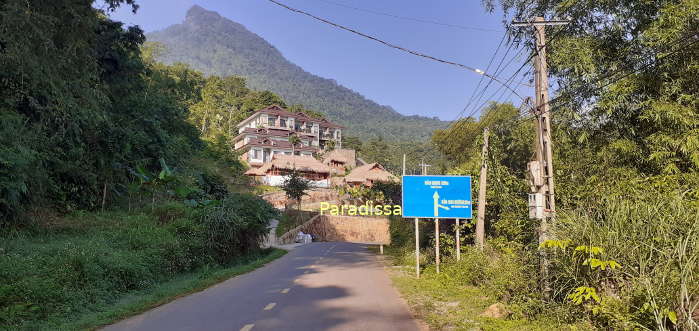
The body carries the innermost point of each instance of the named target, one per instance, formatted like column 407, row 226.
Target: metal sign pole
column 417, row 249
column 452, row 194
column 436, row 242
column 458, row 241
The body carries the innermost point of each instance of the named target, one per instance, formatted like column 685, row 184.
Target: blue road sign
column 437, row 197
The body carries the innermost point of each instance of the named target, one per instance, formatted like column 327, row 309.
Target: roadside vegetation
column 119, row 189
column 624, row 249
column 88, row 269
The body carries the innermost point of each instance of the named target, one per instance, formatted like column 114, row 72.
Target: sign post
column 458, row 240
column 436, row 197
column 417, row 249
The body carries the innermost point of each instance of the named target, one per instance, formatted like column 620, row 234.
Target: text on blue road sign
column 437, row 197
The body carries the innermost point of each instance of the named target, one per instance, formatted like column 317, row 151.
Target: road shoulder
column 172, row 290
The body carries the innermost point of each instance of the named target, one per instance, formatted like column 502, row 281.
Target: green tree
column 294, row 140
column 351, row 142
column 627, row 75
column 295, row 187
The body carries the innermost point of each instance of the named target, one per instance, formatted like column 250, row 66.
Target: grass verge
column 84, row 270
column 180, row 286
column 141, row 301
column 457, row 298
column 450, row 307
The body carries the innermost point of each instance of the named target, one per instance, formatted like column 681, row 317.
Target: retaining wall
column 357, row 229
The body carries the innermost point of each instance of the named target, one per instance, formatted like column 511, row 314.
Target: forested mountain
column 217, row 46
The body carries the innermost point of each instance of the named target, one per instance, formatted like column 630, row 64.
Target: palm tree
column 294, row 139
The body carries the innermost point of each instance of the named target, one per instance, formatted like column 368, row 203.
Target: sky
column 409, row 84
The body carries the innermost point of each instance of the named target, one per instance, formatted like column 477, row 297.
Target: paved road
column 319, row 286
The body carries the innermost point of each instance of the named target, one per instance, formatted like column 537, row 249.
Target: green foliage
column 87, row 263
column 392, row 192
column 217, row 46
column 625, row 155
column 648, row 119
column 295, row 186
column 582, row 294
column 213, row 185
column 654, row 261
column 79, row 107
column 363, row 194
column 236, row 226
column 92, row 259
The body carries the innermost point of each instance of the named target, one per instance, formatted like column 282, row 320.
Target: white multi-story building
column 268, row 132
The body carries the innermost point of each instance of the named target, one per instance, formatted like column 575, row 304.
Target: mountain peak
column 238, row 51
column 199, row 14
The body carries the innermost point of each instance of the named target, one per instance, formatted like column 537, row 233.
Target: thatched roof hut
column 340, row 160
column 346, row 156
column 369, row 174
column 285, row 163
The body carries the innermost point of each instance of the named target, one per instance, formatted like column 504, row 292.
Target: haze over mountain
column 218, row 46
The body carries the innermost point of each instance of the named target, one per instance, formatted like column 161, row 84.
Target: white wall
column 279, row 181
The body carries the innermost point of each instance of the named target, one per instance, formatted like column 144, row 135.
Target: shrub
column 169, row 211
column 236, row 226
column 391, row 191
column 213, row 185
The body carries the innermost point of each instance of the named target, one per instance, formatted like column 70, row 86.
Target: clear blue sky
column 409, row 84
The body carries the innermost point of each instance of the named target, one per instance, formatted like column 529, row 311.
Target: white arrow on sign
column 435, row 196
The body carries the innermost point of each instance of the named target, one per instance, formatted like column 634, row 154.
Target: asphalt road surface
column 319, row 286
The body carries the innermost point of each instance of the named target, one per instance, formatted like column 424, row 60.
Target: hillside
column 218, row 46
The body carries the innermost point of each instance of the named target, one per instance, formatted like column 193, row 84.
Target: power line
column 587, row 90
column 531, row 56
column 480, row 81
column 455, row 124
column 620, row 71
column 420, row 20
column 482, row 105
column 416, row 53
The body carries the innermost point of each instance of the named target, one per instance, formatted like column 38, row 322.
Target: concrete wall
column 356, row 229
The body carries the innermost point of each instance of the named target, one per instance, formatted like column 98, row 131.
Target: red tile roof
column 277, row 110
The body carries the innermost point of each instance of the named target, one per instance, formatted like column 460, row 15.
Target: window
column 255, row 154
column 270, row 121
column 282, row 123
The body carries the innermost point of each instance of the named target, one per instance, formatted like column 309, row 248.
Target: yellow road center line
column 247, row 327
column 270, row 306
column 286, row 290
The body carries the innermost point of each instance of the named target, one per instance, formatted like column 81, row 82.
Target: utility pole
column 482, row 185
column 543, row 166
column 423, row 167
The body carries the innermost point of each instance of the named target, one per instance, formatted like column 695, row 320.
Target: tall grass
column 655, row 238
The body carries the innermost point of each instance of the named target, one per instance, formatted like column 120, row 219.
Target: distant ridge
column 218, row 46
